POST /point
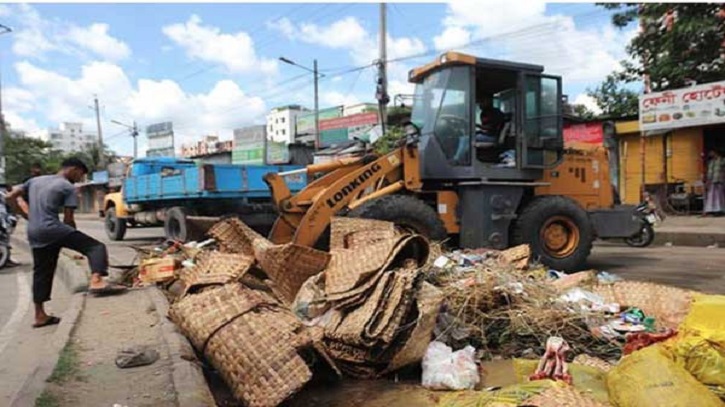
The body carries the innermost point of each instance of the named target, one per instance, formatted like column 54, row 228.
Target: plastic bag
column 444, row 369
column 648, row 378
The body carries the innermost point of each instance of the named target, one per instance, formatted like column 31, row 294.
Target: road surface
column 696, row 268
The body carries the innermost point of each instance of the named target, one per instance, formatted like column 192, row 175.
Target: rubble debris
column 134, row 356
column 267, row 316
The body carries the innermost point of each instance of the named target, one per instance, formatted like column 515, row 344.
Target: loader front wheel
column 405, row 211
column 558, row 230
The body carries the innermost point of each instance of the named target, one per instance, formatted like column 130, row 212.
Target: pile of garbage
column 268, row 317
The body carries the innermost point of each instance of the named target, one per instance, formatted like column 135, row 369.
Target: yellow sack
column 588, row 380
column 700, row 344
column 648, row 378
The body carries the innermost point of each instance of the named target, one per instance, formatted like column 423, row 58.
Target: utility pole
column 317, row 107
column 101, row 150
column 382, row 82
column 3, row 128
column 134, row 134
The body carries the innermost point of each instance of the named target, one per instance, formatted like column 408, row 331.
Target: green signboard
column 305, row 123
column 277, row 152
column 253, row 155
column 334, row 136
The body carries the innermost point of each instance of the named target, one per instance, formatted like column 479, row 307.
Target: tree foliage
column 679, row 42
column 614, row 99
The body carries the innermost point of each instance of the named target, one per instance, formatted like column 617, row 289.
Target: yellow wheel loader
column 457, row 176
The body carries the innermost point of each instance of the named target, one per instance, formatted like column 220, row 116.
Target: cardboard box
column 158, row 270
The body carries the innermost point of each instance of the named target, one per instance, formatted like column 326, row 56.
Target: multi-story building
column 206, row 146
column 69, row 137
column 281, row 123
column 160, row 140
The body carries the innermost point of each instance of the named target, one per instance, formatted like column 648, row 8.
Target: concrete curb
column 189, row 382
column 689, row 239
column 35, row 383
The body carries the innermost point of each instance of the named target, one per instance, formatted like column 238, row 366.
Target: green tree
column 23, row 152
column 678, row 43
column 614, row 99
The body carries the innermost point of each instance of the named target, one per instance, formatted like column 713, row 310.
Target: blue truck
column 185, row 197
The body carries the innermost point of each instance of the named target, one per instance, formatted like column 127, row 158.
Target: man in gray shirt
column 47, row 235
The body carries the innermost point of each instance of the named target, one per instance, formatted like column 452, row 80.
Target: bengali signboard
column 160, row 139
column 694, row 106
column 584, row 135
column 277, row 152
column 249, row 145
column 305, row 123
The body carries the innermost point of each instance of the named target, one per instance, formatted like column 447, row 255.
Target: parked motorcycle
column 8, row 222
column 650, row 216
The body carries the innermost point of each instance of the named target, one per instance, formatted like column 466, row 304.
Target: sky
column 211, row 68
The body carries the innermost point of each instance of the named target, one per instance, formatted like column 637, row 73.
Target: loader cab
column 486, row 120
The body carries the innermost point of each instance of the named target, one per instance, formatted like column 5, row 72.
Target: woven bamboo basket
column 289, row 266
column 216, row 268
column 566, row 396
column 233, row 236
column 427, row 302
column 352, row 233
column 669, row 305
column 592, row 361
column 257, row 360
column 199, row 316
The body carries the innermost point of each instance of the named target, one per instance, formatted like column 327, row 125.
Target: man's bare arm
column 68, row 217
column 12, row 200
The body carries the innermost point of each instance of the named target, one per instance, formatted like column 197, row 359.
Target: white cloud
column 234, row 51
column 57, row 98
column 522, row 31
column 36, row 36
column 333, row 98
column 587, row 101
column 95, row 38
column 451, row 38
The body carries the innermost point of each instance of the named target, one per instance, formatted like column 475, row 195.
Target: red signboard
column 585, row 133
column 354, row 120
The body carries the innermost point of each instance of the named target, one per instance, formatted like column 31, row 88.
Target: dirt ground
column 97, row 381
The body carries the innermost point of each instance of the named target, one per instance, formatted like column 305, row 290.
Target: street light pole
column 3, row 129
column 317, row 75
column 317, row 110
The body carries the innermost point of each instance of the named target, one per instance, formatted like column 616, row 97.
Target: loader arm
column 304, row 217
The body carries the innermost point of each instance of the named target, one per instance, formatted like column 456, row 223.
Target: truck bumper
column 622, row 221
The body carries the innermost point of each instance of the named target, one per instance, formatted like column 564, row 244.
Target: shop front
column 664, row 152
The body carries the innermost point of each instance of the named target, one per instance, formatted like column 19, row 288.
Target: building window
column 282, row 119
column 284, row 132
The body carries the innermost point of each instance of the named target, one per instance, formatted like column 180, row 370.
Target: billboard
column 583, row 135
column 694, row 106
column 277, row 152
column 346, row 128
column 160, row 139
column 305, row 123
column 249, row 145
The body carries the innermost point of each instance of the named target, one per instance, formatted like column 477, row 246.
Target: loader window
column 442, row 106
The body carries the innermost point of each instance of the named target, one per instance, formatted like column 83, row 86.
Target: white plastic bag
column 444, row 369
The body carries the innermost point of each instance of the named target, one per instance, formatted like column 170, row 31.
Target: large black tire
column 175, row 226
column 406, row 211
column 558, row 231
column 115, row 227
column 643, row 238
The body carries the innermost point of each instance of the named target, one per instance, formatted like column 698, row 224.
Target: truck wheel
column 115, row 227
column 175, row 226
column 406, row 211
column 558, row 230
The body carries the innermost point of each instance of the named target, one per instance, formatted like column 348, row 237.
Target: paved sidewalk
column 691, row 231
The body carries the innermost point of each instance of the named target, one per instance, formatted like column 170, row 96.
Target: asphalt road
column 695, row 268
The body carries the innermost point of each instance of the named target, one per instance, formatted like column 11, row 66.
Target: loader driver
column 487, row 132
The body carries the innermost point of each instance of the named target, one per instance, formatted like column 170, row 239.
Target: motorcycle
column 8, row 222
column 650, row 216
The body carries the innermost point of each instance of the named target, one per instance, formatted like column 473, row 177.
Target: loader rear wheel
column 406, row 211
column 558, row 231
